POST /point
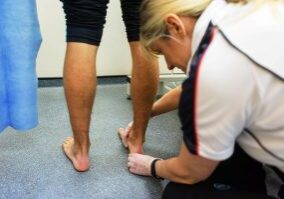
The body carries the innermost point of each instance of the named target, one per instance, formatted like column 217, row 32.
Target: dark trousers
column 281, row 175
column 239, row 177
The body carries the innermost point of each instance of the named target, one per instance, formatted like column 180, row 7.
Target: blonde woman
column 234, row 51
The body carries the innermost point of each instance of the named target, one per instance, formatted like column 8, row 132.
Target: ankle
column 136, row 139
column 81, row 147
column 138, row 131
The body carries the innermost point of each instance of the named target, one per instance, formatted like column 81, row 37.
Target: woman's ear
column 175, row 25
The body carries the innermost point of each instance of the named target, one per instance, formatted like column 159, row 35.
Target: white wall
column 113, row 56
column 51, row 54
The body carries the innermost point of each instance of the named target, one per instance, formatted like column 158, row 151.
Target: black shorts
column 85, row 19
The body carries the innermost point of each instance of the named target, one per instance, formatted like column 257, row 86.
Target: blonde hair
column 153, row 12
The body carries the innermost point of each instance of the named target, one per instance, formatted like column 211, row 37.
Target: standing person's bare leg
column 144, row 83
column 79, row 87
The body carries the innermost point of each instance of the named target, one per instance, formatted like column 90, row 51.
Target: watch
column 153, row 169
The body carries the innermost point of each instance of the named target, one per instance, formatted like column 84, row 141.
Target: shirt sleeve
column 215, row 99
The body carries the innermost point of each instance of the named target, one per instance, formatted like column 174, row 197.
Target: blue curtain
column 20, row 40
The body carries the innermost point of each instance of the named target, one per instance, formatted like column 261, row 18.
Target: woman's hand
column 140, row 164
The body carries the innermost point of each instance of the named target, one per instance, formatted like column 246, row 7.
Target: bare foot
column 123, row 136
column 80, row 162
column 129, row 142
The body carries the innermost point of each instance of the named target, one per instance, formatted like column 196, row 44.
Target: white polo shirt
column 235, row 91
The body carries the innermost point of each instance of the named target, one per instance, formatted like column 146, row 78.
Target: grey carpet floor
column 33, row 165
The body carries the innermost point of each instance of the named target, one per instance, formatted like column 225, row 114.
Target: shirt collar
column 202, row 23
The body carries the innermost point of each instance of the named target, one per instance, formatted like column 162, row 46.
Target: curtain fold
column 20, row 40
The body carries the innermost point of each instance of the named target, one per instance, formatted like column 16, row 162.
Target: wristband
column 153, row 169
